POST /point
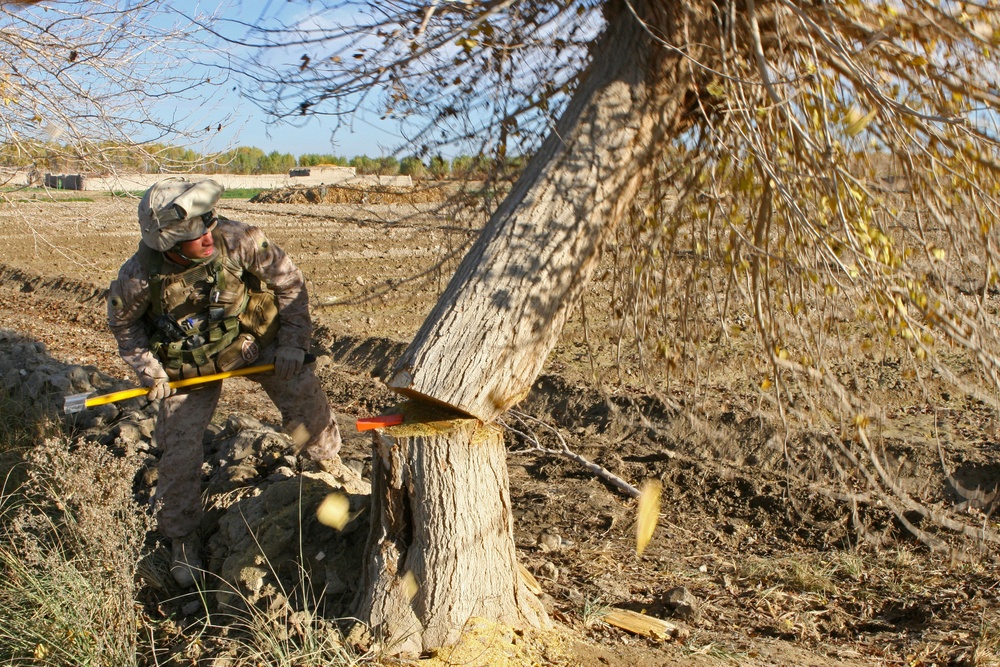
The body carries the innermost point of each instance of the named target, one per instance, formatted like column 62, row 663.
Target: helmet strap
column 209, row 220
column 192, row 260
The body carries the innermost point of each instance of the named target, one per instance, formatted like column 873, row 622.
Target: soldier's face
column 200, row 248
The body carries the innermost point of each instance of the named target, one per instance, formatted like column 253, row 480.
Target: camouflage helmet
column 174, row 210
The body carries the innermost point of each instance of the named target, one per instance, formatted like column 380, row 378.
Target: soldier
column 202, row 295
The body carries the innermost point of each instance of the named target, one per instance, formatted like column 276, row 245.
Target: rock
column 191, row 608
column 335, row 573
column 239, row 475
column 97, row 416
column 254, row 443
column 61, row 382
column 549, row 540
column 35, row 383
column 213, row 433
column 80, row 380
column 356, row 466
column 280, row 474
column 127, row 433
column 237, row 423
column 684, row 603
column 12, row 380
column 549, row 571
column 258, row 546
column 574, row 595
column 146, row 427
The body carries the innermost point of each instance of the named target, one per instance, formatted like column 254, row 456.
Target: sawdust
column 490, row 644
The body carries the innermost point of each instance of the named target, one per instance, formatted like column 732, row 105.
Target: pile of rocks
column 28, row 373
column 260, row 524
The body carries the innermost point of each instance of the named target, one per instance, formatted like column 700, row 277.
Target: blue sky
column 249, row 126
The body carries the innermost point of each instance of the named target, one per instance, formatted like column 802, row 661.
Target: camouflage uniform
column 183, row 417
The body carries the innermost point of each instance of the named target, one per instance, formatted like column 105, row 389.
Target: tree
column 386, row 165
column 412, row 166
column 439, row 168
column 315, row 159
column 470, row 168
column 276, row 163
column 77, row 77
column 742, row 144
column 241, row 160
column 364, row 164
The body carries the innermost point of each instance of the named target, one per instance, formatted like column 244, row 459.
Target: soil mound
column 351, row 194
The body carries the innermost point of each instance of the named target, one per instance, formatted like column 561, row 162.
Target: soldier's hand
column 161, row 390
column 288, row 361
column 156, row 379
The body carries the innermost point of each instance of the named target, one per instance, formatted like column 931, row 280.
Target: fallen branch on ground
column 564, row 451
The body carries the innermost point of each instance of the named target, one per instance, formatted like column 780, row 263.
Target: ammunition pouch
column 260, row 318
column 241, row 352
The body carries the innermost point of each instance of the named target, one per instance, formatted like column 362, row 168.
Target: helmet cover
column 171, row 211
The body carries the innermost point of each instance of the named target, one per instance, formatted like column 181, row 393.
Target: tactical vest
column 207, row 319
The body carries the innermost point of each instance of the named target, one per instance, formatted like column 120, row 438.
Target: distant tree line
column 154, row 159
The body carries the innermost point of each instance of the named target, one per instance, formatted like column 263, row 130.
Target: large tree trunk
column 443, row 496
column 485, row 341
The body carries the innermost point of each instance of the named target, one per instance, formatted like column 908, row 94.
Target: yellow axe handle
column 176, row 384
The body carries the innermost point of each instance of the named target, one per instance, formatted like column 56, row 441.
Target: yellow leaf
column 857, row 120
column 766, row 384
column 334, row 511
column 649, row 513
column 919, row 61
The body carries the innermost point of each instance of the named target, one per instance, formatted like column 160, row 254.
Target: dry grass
column 70, row 542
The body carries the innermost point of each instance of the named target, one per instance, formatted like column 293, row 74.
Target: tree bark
column 442, row 548
column 484, row 343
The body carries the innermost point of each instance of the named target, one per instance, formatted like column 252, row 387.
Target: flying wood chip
column 410, row 585
column 649, row 512
column 334, row 511
column 641, row 624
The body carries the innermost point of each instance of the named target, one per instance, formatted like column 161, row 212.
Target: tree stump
column 441, row 550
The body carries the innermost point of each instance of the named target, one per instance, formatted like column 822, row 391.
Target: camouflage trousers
column 180, row 431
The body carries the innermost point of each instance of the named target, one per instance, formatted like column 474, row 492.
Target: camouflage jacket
column 129, row 300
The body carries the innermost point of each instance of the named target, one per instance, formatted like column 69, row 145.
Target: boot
column 185, row 564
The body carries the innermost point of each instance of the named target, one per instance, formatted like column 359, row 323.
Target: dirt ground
column 747, row 575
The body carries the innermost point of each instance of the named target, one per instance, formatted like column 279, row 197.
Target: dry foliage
column 82, row 84
column 71, row 540
column 832, row 210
